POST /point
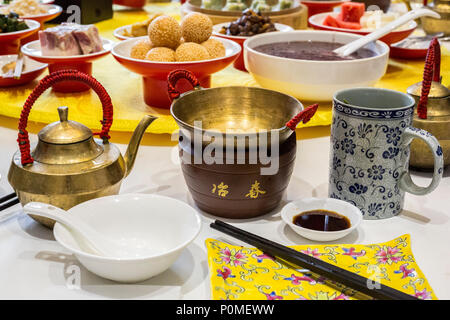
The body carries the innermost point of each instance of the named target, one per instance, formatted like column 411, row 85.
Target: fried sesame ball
column 215, row 48
column 191, row 51
column 196, row 27
column 140, row 49
column 165, row 31
column 161, row 54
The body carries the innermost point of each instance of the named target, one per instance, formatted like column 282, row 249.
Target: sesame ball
column 161, row 54
column 196, row 27
column 191, row 51
column 165, row 31
column 140, row 49
column 215, row 48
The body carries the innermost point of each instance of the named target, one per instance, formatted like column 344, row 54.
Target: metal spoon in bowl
column 89, row 239
column 353, row 46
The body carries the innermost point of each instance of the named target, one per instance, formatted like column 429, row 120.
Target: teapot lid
column 66, row 142
column 64, row 131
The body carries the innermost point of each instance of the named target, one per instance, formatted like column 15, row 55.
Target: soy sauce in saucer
column 321, row 220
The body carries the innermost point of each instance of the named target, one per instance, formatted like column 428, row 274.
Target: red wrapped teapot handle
column 431, row 73
column 49, row 81
column 303, row 116
column 177, row 75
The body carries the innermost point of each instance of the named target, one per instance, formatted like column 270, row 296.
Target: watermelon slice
column 352, row 11
column 348, row 25
column 330, row 21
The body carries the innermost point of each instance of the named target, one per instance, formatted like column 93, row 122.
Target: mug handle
column 405, row 182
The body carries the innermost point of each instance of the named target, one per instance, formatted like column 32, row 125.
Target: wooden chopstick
column 8, row 201
column 19, row 66
column 331, row 272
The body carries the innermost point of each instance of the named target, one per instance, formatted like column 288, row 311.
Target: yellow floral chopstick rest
column 240, row 273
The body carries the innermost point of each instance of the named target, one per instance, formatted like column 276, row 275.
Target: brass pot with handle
column 68, row 166
column 432, row 111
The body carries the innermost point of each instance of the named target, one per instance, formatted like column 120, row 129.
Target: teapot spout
column 133, row 146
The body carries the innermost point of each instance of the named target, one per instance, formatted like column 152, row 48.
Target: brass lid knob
column 64, row 131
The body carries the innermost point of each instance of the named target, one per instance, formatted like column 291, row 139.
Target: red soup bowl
column 315, row 7
column 32, row 69
column 239, row 62
column 10, row 41
column 316, row 22
column 81, row 63
column 155, row 73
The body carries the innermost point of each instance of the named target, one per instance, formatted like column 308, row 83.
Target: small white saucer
column 343, row 208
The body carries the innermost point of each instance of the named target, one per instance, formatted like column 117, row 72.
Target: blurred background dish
column 10, row 41
column 31, row 70
column 318, row 6
column 313, row 80
column 219, row 30
column 26, row 9
column 296, row 16
column 317, row 22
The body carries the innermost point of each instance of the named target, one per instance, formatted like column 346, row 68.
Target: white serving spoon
column 84, row 234
column 353, row 46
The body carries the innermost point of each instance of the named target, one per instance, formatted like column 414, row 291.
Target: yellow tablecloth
column 239, row 273
column 125, row 87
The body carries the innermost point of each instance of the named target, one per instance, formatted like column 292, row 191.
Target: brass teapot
column 432, row 111
column 68, row 166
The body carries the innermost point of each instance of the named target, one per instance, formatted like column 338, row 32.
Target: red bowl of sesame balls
column 171, row 46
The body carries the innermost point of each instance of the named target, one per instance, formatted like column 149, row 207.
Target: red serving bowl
column 52, row 12
column 315, row 7
column 155, row 73
column 80, row 62
column 406, row 53
column 239, row 62
column 131, row 3
column 32, row 70
column 10, row 41
column 316, row 22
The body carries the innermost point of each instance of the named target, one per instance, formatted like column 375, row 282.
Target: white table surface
column 34, row 266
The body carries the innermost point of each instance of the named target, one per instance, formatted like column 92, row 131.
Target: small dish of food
column 32, row 10
column 152, row 232
column 302, row 64
column 171, row 46
column 321, row 219
column 31, row 70
column 12, row 30
column 138, row 29
column 354, row 19
column 69, row 45
column 250, row 24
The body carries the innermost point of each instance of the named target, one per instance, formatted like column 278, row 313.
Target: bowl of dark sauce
column 321, row 219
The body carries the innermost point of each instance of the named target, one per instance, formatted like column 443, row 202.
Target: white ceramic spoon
column 353, row 46
column 82, row 232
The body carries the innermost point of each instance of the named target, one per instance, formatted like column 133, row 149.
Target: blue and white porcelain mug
column 369, row 153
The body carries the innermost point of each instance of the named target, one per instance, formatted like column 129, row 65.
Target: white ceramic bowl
column 346, row 209
column 165, row 225
column 313, row 80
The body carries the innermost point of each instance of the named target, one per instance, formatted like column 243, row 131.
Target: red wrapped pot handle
column 49, row 81
column 303, row 116
column 177, row 75
column 431, row 73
